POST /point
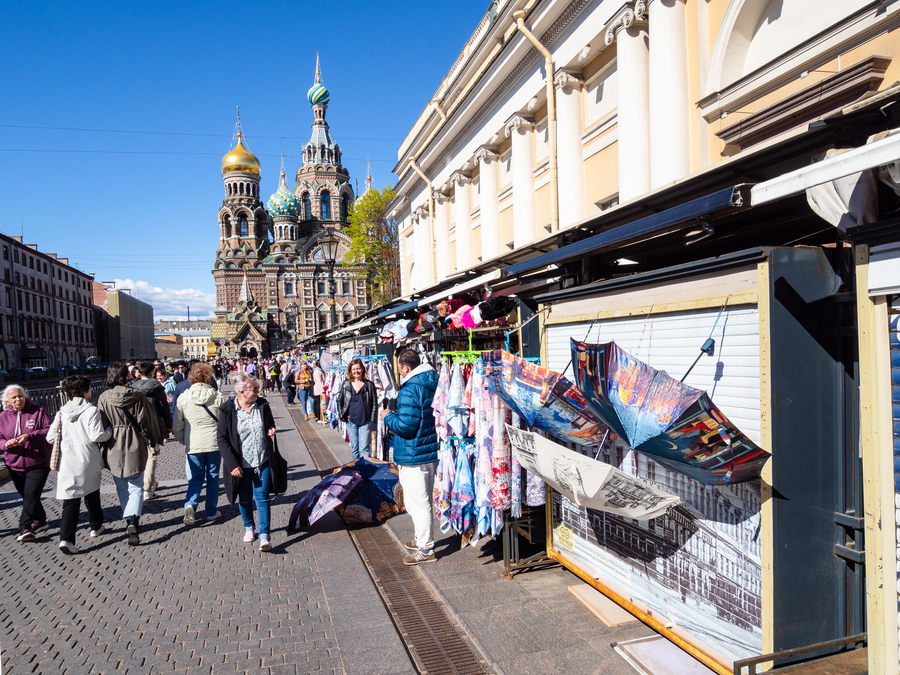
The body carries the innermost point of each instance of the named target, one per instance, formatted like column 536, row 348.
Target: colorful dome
column 318, row 95
column 283, row 202
column 240, row 160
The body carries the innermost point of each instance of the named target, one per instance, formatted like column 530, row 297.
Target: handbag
column 277, row 470
column 56, row 455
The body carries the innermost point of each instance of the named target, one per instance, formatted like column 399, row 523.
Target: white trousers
column 418, row 487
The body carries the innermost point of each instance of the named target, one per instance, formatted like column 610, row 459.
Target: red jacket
column 36, row 423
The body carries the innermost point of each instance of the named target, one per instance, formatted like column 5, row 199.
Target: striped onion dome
column 283, row 202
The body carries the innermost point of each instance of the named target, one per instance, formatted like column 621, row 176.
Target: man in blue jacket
column 416, row 450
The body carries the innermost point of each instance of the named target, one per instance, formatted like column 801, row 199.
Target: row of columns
column 653, row 142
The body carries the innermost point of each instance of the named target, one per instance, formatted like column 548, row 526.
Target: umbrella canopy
column 654, row 413
column 545, row 398
column 363, row 491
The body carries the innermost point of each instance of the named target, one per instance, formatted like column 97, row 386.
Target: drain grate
column 435, row 643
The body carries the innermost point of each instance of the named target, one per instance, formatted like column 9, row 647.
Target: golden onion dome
column 240, row 160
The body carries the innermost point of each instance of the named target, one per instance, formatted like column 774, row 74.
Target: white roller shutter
column 671, row 342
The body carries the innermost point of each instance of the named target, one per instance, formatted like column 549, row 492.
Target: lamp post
column 329, row 246
column 291, row 311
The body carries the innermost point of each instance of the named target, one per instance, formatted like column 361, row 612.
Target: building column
column 442, row 235
column 569, row 149
column 629, row 30
column 490, row 203
column 463, row 207
column 521, row 129
column 670, row 129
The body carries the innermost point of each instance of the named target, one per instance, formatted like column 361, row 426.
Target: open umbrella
column 654, row 413
column 365, row 490
column 545, row 398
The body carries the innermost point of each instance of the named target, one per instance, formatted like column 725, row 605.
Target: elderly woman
column 246, row 440
column 358, row 407
column 134, row 429
column 23, row 435
column 80, row 430
column 196, row 421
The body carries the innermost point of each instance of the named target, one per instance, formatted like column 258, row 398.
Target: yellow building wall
column 506, row 223
column 476, row 239
column 601, row 176
column 542, row 210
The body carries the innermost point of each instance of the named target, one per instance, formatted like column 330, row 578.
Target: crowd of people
column 144, row 402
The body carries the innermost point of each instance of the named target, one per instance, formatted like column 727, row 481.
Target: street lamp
column 329, row 246
column 291, row 312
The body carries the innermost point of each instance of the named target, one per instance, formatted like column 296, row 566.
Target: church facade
column 272, row 288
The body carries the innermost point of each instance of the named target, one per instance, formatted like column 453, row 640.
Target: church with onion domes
column 271, row 269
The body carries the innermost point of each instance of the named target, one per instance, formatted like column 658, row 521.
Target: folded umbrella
column 655, row 414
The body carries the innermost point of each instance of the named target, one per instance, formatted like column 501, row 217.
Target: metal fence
column 52, row 399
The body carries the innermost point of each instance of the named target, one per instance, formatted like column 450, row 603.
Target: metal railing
column 751, row 663
column 52, row 399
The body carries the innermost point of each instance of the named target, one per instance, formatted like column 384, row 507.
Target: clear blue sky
column 141, row 205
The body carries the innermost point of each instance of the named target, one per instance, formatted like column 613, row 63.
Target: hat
column 496, row 307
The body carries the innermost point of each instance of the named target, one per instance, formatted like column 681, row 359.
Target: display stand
column 532, row 526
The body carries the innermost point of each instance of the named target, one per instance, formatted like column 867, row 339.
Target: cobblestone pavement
column 189, row 599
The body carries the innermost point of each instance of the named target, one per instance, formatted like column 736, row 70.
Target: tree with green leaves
column 375, row 243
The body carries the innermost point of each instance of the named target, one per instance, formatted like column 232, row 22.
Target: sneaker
column 99, row 531
column 419, row 557
column 39, row 527
column 411, row 546
column 213, row 517
column 189, row 515
column 148, row 495
column 249, row 535
column 133, row 539
column 264, row 544
column 67, row 547
column 26, row 535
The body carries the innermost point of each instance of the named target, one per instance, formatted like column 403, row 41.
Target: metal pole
column 333, row 289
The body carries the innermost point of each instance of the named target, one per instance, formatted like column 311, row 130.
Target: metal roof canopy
column 460, row 288
column 670, row 220
column 398, row 310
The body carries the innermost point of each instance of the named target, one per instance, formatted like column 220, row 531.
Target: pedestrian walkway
column 530, row 624
column 195, row 599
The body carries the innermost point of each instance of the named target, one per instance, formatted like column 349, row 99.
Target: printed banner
column 587, row 482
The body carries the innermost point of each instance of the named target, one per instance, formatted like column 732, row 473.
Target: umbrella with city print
column 656, row 414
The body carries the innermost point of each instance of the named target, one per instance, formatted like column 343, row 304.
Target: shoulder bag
column 56, row 455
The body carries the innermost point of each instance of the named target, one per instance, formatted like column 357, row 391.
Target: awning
column 865, row 157
column 664, row 222
column 351, row 327
column 460, row 288
column 398, row 310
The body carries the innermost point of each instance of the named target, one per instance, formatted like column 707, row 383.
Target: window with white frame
column 505, row 168
column 600, row 95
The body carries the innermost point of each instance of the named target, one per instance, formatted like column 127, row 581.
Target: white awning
column 349, row 329
column 460, row 288
column 865, row 157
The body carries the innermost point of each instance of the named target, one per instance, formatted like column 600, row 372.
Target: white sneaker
column 149, row 494
column 188, row 515
column 249, row 535
column 96, row 533
column 264, row 544
column 67, row 547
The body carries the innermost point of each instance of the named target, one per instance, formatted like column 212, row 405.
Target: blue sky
column 114, row 117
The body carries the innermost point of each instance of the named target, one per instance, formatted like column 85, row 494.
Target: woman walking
column 318, row 390
column 357, row 406
column 23, row 435
column 246, row 433
column 79, row 429
column 134, row 429
column 196, row 421
column 303, row 380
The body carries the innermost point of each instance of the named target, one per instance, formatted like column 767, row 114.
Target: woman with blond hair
column 196, row 422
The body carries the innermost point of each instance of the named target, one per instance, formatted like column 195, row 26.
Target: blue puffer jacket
column 416, row 440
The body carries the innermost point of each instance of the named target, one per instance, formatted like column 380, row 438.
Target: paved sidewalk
column 530, row 624
column 193, row 599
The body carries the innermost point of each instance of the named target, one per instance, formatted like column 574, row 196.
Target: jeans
column 291, row 392
column 131, row 494
column 70, row 510
column 30, row 484
column 255, row 487
column 303, row 395
column 418, row 485
column 359, row 440
column 199, row 466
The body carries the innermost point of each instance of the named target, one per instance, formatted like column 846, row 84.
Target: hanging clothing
column 457, row 411
column 501, row 456
column 462, row 501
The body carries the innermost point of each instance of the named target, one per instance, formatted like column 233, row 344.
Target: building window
column 326, row 206
column 244, row 227
column 307, row 207
column 32, row 282
column 288, row 288
column 345, row 288
column 345, row 208
column 347, row 317
column 321, row 288
column 15, row 255
column 6, row 252
column 31, row 261
column 600, row 207
column 45, row 268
